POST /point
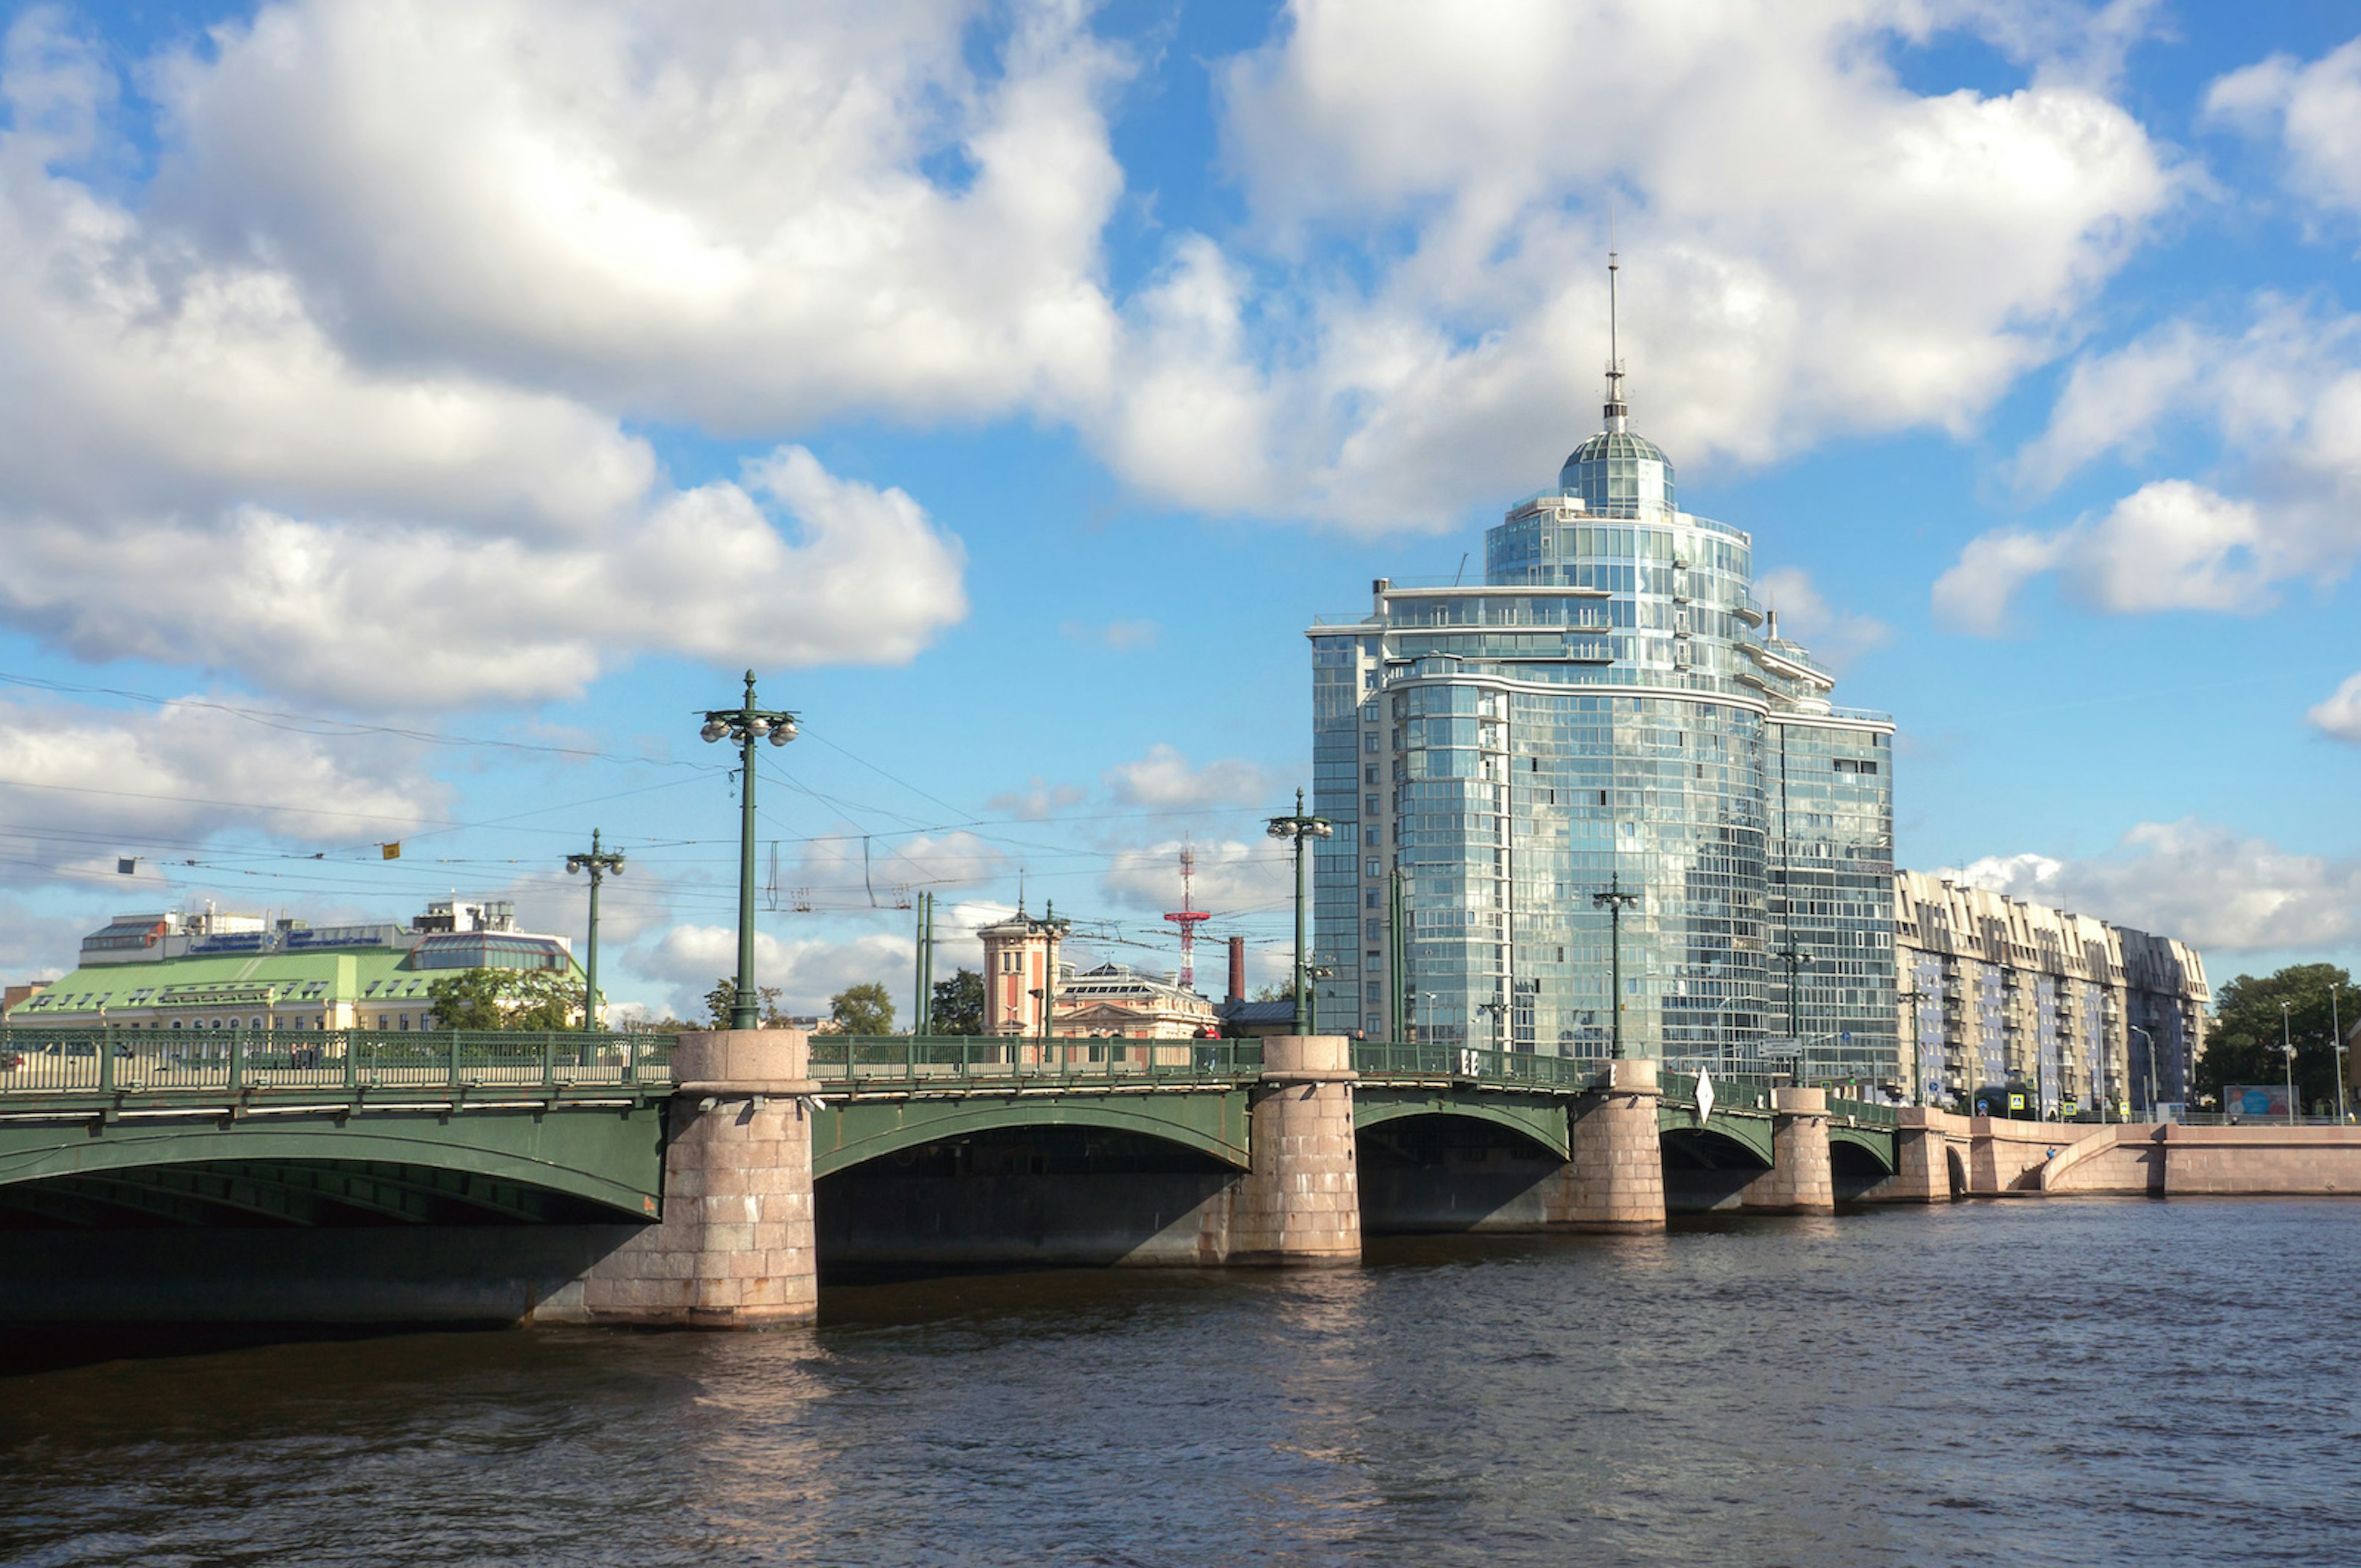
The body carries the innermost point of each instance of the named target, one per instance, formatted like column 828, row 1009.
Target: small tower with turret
column 1020, row 971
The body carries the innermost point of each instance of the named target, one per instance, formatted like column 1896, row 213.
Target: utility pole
column 1297, row 830
column 601, row 864
column 1615, row 900
column 924, row 966
column 742, row 726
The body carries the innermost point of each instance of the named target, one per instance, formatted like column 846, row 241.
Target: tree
column 467, row 999
column 863, row 1009
column 959, row 1004
column 722, row 1000
column 506, row 999
column 2242, row 1043
column 1274, row 993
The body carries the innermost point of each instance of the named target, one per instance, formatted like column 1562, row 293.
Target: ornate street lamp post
column 601, row 864
column 743, row 726
column 1297, row 829
column 1615, row 899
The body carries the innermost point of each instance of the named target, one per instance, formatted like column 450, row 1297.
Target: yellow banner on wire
column 390, row 852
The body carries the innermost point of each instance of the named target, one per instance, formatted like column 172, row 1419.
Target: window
column 380, row 1020
column 1369, row 773
column 1369, row 741
column 405, row 1021
column 1376, row 869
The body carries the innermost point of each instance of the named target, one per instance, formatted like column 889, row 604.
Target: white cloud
column 1037, row 802
column 403, row 615
column 727, row 215
column 1885, row 260
column 1164, row 780
column 37, row 946
column 2316, row 110
column 81, row 785
column 1975, row 594
column 201, row 471
column 2281, row 402
column 1837, row 636
column 808, row 971
column 2209, row 885
column 2340, row 716
column 1233, row 876
column 2168, row 545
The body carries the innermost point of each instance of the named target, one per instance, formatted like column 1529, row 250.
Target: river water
column 2064, row 1382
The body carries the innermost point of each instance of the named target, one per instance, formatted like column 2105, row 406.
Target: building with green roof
column 215, row 969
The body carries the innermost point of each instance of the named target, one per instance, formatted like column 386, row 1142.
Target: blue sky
column 418, row 411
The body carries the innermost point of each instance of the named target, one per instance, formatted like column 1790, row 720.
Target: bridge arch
column 1542, row 1122
column 1727, row 1142
column 396, row 1168
column 1862, row 1148
column 847, row 1134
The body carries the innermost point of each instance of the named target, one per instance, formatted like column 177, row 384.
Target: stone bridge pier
column 1799, row 1180
column 1615, row 1183
column 735, row 1247
column 1300, row 1204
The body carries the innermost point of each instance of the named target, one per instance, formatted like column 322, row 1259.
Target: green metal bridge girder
column 1879, row 1143
column 1749, row 1132
column 393, row 1163
column 1541, row 1118
column 1210, row 1118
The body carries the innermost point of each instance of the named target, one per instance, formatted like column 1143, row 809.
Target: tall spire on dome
column 1618, row 413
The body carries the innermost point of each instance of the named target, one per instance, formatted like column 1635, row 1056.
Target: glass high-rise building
column 1609, row 709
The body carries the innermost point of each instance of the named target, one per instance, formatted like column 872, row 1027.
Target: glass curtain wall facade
column 1608, row 708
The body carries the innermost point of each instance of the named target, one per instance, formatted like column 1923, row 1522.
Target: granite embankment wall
column 1982, row 1155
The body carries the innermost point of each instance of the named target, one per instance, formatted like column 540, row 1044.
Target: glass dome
column 1617, row 474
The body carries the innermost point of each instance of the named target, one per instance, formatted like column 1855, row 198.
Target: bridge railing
column 1421, row 1059
column 951, row 1059
column 50, row 1062
column 1867, row 1113
column 1732, row 1091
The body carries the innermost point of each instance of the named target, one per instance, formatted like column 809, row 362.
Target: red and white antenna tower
column 1188, row 919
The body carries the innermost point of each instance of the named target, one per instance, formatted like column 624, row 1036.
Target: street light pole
column 2336, row 1041
column 2287, row 1044
column 1298, row 829
column 2143, row 1034
column 601, row 864
column 1918, row 1069
column 742, row 726
column 1615, row 900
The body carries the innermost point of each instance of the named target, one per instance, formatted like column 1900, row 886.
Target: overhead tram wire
column 344, row 729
